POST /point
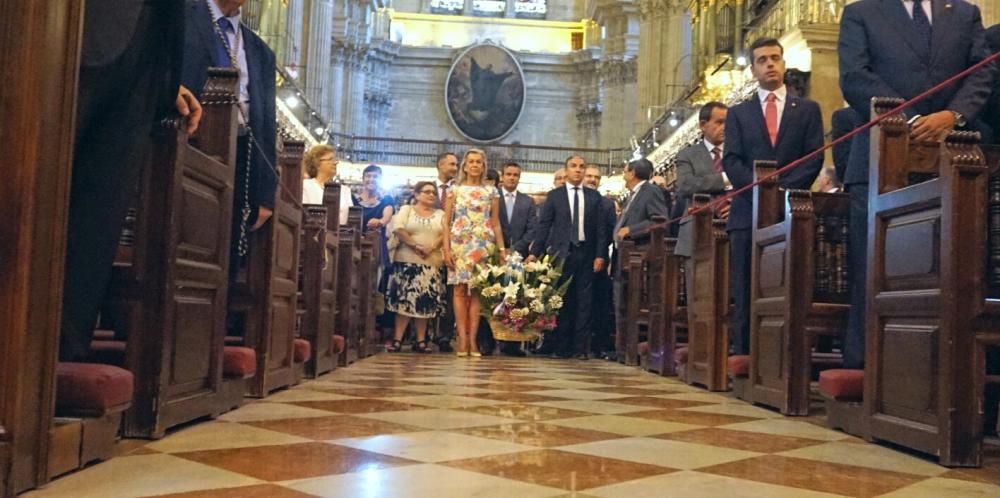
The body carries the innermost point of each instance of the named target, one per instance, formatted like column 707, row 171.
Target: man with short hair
column 559, row 178
column 604, row 310
column 699, row 171
column 645, row 201
column 570, row 229
column 447, row 170
column 902, row 48
column 828, row 181
column 776, row 126
column 517, row 220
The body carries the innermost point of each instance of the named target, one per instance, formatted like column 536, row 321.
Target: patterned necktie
column 444, row 193
column 717, row 159
column 222, row 58
column 771, row 117
column 922, row 24
column 576, row 214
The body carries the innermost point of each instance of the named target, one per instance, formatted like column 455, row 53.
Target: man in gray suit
column 699, row 171
column 901, row 48
column 517, row 215
column 645, row 202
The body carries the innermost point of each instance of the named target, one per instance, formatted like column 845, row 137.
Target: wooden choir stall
column 933, row 312
column 798, row 291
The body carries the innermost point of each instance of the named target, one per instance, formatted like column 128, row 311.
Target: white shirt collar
column 217, row 14
column 710, row 147
column 570, row 186
column 780, row 93
column 506, row 192
column 638, row 186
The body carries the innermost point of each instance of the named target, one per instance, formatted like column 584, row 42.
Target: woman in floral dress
column 472, row 235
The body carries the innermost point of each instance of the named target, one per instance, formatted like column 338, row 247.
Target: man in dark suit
column 772, row 125
column 215, row 37
column 699, row 171
column 604, row 309
column 889, row 48
column 992, row 112
column 517, row 220
column 570, row 229
column 447, row 170
column 129, row 77
column 842, row 122
column 645, row 201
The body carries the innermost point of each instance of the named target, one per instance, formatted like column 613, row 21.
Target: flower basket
column 521, row 300
column 502, row 332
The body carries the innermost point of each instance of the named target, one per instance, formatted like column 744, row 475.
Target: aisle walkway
column 402, row 426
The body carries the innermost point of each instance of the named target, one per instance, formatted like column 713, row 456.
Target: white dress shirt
column 781, row 94
column 710, row 147
column 583, row 209
column 235, row 38
column 926, row 4
column 509, row 200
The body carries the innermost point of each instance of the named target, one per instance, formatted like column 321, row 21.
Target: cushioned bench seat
column 738, row 369
column 238, row 362
column 842, row 384
column 303, row 350
column 338, row 343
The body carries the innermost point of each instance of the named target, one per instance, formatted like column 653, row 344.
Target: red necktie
column 717, row 159
column 771, row 117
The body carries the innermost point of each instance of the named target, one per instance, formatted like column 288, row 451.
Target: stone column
column 317, row 81
column 338, row 58
column 295, row 40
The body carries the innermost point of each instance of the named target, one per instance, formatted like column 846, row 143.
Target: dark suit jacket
column 842, row 122
column 555, row 224
column 517, row 231
column 880, row 56
column 638, row 213
column 200, row 43
column 799, row 133
column 991, row 114
column 110, row 28
column 695, row 175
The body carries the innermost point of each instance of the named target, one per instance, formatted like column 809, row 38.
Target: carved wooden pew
column 708, row 308
column 662, row 342
column 640, row 290
column 931, row 310
column 265, row 295
column 319, row 282
column 348, row 297
column 799, row 289
column 168, row 292
column 367, row 282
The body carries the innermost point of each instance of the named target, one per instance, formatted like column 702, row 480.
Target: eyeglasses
column 332, row 159
column 432, row 192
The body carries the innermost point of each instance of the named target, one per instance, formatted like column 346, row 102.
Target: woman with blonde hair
column 320, row 166
column 472, row 235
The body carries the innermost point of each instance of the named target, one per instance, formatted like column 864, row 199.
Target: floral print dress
column 472, row 237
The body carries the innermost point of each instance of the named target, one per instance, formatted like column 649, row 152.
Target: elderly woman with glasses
column 417, row 282
column 320, row 166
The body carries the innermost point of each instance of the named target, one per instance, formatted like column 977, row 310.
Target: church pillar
column 317, row 87
column 337, row 91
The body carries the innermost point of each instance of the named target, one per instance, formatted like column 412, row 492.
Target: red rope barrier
column 794, row 164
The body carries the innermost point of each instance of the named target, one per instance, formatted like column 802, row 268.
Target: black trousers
column 116, row 111
column 573, row 330
column 603, row 313
column 857, row 257
column 740, row 247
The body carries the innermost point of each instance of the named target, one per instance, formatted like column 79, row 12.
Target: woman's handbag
column 393, row 242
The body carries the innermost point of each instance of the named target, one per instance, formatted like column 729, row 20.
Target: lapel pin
column 794, row 103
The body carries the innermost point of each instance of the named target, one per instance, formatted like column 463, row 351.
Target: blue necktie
column 922, row 25
column 222, row 47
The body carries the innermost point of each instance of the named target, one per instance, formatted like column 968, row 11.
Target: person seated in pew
column 130, row 66
column 699, row 171
column 320, row 166
column 772, row 125
column 416, row 287
column 827, row 181
column 874, row 63
column 646, row 201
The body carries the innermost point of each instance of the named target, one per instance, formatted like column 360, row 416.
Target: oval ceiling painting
column 484, row 93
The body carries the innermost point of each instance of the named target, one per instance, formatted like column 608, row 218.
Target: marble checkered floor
column 404, row 425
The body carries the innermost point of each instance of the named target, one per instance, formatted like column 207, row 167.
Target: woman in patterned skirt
column 472, row 235
column 416, row 285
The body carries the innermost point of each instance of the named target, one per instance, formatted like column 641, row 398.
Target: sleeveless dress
column 472, row 237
